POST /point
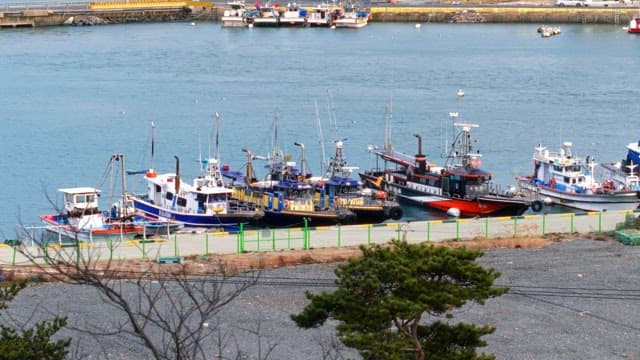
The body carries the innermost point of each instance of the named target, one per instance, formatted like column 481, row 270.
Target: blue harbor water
column 72, row 96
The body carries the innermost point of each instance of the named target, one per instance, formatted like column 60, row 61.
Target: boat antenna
column 333, row 125
column 387, row 125
column 218, row 137
column 324, row 155
column 177, row 182
column 153, row 146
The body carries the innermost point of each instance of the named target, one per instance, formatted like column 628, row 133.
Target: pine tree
column 31, row 343
column 383, row 296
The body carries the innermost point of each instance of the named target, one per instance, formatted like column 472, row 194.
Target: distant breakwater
column 162, row 11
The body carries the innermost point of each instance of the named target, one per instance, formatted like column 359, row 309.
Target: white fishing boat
column 82, row 220
column 352, row 17
column 320, row 16
column 267, row 16
column 293, row 16
column 235, row 15
column 562, row 178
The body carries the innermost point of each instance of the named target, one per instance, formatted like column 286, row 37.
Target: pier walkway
column 201, row 243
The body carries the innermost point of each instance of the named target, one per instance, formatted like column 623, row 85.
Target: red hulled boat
column 459, row 188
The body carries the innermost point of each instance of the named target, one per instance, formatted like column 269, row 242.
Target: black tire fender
column 395, row 213
column 537, row 205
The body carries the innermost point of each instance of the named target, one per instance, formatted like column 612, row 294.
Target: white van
column 573, row 3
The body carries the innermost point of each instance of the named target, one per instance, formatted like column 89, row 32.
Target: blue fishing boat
column 286, row 195
column 338, row 189
column 203, row 203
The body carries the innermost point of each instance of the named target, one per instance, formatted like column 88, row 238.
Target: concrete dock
column 54, row 14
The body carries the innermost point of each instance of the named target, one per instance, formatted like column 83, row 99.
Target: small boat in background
column 320, row 16
column 562, row 178
column 235, row 15
column 267, row 16
column 293, row 16
column 634, row 25
column 351, row 17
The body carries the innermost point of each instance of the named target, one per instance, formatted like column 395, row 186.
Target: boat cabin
column 81, row 201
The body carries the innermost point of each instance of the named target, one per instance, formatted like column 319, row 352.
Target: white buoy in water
column 193, row 24
column 333, row 26
column 453, row 212
column 250, row 25
column 460, row 93
column 418, row 26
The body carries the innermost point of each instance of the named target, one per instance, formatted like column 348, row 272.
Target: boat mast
column 323, row 164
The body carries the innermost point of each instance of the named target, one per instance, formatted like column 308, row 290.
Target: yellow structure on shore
column 146, row 4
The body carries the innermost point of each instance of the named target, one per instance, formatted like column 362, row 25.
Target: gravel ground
column 571, row 300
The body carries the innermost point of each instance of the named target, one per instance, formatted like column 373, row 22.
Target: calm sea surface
column 72, row 96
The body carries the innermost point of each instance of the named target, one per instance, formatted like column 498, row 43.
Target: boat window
column 567, row 180
column 158, row 188
column 169, row 195
column 181, row 201
column 557, row 168
column 80, row 199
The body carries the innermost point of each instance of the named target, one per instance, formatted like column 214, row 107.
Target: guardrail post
column 175, row 245
column 369, row 234
column 544, row 224
column 398, row 231
column 206, row 243
column 457, row 229
column 515, row 226
column 288, row 238
column 144, row 248
column 13, row 262
column 273, row 239
column 486, row 227
column 572, row 216
column 428, row 230
column 339, row 235
column 307, row 236
column 258, row 239
column 600, row 221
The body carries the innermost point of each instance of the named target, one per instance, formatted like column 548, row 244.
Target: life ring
column 536, row 206
column 395, row 213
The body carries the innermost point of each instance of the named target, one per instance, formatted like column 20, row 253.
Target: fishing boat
column 204, row 203
column 286, row 193
column 339, row 189
column 267, row 16
column 293, row 16
column 320, row 16
column 562, row 178
column 234, row 15
column 351, row 16
column 82, row 220
column 459, row 188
